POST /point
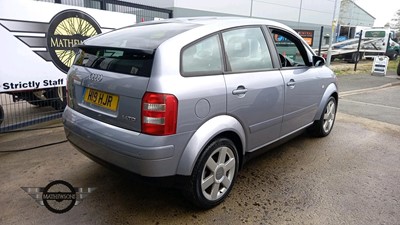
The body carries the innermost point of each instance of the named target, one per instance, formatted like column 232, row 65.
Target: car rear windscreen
column 146, row 36
column 126, row 61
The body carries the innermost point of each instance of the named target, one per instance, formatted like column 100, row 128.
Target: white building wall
column 277, row 10
column 298, row 14
column 299, row 11
column 353, row 15
column 235, row 7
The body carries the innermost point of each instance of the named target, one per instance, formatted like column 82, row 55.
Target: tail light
column 159, row 114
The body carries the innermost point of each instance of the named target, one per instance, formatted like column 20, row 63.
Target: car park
column 192, row 98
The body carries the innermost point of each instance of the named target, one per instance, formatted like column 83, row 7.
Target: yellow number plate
column 102, row 99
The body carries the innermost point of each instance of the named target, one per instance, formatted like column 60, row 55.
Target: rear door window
column 246, row 50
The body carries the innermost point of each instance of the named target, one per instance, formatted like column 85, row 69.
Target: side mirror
column 318, row 61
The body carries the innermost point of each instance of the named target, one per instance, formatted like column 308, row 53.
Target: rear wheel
column 324, row 125
column 398, row 69
column 356, row 57
column 214, row 174
column 60, row 100
column 37, row 98
column 54, row 97
column 1, row 114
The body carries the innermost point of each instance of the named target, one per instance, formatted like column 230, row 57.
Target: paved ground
column 350, row 177
column 379, row 104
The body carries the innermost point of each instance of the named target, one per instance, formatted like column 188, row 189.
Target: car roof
column 150, row 37
column 207, row 20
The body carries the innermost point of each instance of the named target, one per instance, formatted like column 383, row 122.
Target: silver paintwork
column 258, row 108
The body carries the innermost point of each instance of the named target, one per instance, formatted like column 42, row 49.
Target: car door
column 303, row 89
column 254, row 87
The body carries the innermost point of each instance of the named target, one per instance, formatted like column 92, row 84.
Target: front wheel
column 1, row 114
column 398, row 69
column 214, row 174
column 394, row 56
column 324, row 125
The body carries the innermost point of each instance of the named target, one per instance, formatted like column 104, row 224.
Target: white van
column 385, row 40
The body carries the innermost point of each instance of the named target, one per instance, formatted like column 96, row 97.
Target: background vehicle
column 42, row 97
column 374, row 42
column 191, row 99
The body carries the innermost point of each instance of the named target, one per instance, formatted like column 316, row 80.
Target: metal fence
column 24, row 108
column 141, row 9
column 21, row 109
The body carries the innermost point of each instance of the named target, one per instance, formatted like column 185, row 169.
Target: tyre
column 356, row 57
column 394, row 56
column 398, row 69
column 1, row 114
column 54, row 97
column 324, row 125
column 59, row 98
column 214, row 174
column 37, row 98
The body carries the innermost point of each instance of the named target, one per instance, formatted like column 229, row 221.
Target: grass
column 363, row 67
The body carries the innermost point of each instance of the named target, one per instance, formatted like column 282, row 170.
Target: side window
column 246, row 49
column 202, row 58
column 291, row 51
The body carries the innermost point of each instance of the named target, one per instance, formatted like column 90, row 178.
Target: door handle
column 291, row 83
column 240, row 90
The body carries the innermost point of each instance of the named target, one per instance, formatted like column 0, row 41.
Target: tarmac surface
column 373, row 97
column 350, row 177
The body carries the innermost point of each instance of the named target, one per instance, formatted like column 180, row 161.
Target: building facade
column 352, row 19
column 305, row 16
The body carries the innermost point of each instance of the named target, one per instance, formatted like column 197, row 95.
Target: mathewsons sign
column 38, row 40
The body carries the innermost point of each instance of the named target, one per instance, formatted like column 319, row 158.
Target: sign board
column 37, row 39
column 307, row 35
column 379, row 66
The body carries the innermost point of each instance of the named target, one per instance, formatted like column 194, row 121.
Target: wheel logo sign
column 67, row 29
column 58, row 196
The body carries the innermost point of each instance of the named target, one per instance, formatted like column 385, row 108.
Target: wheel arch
column 219, row 126
column 331, row 90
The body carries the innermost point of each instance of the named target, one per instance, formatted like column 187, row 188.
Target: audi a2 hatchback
column 191, row 98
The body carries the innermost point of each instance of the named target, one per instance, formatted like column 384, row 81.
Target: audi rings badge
column 96, row 77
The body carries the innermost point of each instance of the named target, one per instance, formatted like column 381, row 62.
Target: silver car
column 192, row 98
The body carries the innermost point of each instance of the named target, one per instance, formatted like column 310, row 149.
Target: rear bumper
column 145, row 155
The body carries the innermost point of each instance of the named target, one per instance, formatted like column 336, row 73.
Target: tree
column 395, row 22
